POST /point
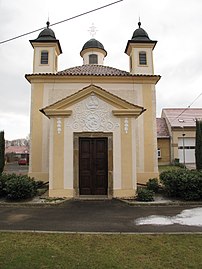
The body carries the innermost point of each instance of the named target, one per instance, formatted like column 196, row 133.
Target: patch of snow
column 154, row 220
column 188, row 217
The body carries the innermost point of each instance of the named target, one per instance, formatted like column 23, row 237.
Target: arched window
column 44, row 57
column 93, row 59
column 142, row 58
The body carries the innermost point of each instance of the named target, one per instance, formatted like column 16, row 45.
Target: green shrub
column 182, row 184
column 39, row 184
column 2, row 185
column 153, row 184
column 145, row 195
column 20, row 187
column 3, row 179
column 177, row 163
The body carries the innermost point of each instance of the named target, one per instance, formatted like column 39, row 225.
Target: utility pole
column 183, row 135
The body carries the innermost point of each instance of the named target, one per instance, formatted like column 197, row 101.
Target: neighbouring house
column 93, row 127
column 14, row 153
column 163, row 142
column 181, row 123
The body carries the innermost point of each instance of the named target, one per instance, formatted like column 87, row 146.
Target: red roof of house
column 17, row 149
column 162, row 130
column 182, row 117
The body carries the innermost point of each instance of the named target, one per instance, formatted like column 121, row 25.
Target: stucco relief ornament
column 92, row 114
column 126, row 125
column 59, row 125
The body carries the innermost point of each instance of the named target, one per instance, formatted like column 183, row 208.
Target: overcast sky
column 176, row 25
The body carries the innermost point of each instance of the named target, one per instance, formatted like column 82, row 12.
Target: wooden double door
column 93, row 166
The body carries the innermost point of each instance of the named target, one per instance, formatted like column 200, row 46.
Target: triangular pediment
column 121, row 106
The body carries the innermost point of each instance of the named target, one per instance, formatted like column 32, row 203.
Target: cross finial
column 48, row 23
column 139, row 23
column 92, row 30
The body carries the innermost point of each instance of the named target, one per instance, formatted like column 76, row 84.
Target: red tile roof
column 186, row 117
column 162, row 130
column 93, row 70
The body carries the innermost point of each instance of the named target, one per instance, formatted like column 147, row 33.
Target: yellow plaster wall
column 164, row 146
column 56, row 91
column 149, row 149
column 35, row 168
column 144, row 177
column 124, row 193
column 178, row 134
column 126, row 144
column 136, row 67
column 149, row 135
column 100, row 53
column 51, row 67
column 61, row 193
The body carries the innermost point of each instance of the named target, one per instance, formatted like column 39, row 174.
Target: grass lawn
column 34, row 250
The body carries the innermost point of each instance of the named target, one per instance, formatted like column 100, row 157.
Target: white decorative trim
column 68, row 158
column 59, row 125
column 93, row 115
column 134, row 157
column 126, row 125
column 117, row 159
column 51, row 156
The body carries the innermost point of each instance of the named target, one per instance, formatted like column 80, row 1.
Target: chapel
column 93, row 127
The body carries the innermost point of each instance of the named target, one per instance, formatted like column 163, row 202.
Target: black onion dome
column 47, row 34
column 140, row 34
column 93, row 43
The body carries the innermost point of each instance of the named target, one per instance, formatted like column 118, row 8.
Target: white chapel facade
column 93, row 127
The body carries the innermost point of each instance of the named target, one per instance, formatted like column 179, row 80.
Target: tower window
column 93, row 59
column 142, row 58
column 131, row 63
column 44, row 57
column 56, row 62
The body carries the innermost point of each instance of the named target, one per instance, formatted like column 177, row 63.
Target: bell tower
column 46, row 51
column 140, row 52
column 93, row 52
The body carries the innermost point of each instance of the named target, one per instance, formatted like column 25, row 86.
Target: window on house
column 142, row 58
column 186, row 147
column 93, row 59
column 159, row 153
column 44, row 57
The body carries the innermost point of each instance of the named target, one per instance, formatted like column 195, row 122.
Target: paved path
column 90, row 216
